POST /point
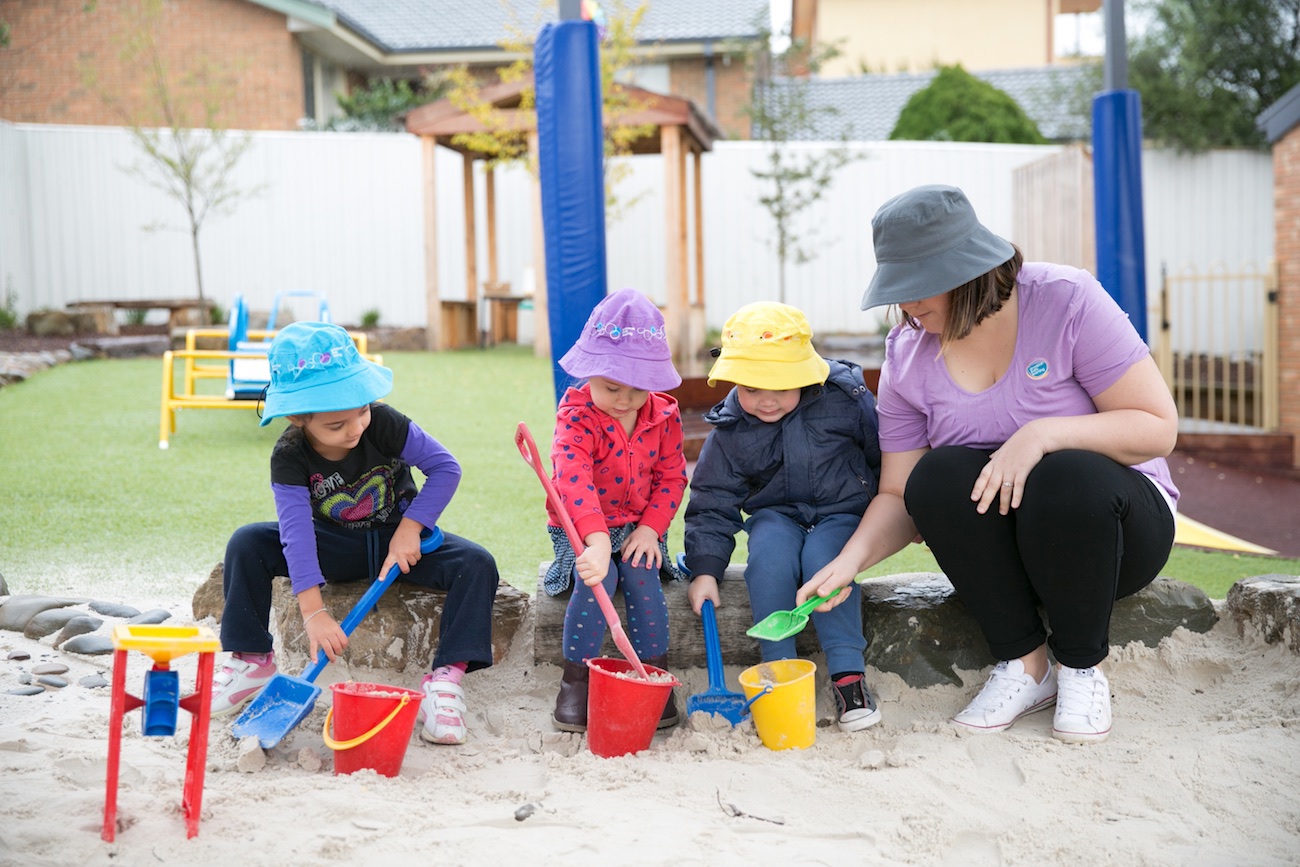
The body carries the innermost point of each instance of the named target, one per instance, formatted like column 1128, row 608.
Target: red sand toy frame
column 160, row 703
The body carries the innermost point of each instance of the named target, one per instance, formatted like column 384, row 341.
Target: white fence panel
column 741, row 267
column 341, row 213
column 1209, row 213
column 15, row 264
column 336, row 213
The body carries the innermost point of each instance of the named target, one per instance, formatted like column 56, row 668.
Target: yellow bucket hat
column 768, row 345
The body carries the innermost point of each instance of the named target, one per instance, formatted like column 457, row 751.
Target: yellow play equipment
column 242, row 366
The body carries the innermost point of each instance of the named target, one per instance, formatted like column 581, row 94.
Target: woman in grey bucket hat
column 1023, row 430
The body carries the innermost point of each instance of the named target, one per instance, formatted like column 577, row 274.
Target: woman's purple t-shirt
column 1073, row 342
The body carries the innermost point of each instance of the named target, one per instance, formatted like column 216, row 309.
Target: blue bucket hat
column 928, row 241
column 624, row 340
column 315, row 367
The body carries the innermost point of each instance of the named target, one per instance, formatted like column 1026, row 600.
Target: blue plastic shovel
column 286, row 700
column 717, row 699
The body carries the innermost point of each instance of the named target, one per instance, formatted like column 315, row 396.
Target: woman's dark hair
column 973, row 302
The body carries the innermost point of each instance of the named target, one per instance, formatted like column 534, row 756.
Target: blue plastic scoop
column 286, row 700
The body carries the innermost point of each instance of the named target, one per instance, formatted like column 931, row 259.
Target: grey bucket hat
column 928, row 241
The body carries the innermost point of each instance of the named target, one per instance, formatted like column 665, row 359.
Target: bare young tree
column 186, row 151
column 781, row 111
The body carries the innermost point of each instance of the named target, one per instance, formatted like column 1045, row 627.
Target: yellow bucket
column 786, row 718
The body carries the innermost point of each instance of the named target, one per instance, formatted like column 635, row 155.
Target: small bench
column 180, row 311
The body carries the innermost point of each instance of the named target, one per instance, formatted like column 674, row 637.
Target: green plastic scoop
column 783, row 624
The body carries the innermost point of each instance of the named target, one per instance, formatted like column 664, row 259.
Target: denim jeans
column 783, row 555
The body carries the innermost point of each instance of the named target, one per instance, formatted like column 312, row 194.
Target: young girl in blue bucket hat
column 620, row 471
column 349, row 510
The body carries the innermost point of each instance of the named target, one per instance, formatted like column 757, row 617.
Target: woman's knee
column 1073, row 485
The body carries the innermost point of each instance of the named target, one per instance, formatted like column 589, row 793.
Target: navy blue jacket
column 823, row 458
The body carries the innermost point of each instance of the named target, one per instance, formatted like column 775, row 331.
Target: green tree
column 957, row 106
column 1205, row 69
column 780, row 111
column 503, row 141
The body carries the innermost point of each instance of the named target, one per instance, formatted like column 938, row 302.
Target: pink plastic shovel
column 528, row 448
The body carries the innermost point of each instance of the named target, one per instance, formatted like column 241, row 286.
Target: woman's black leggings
column 1088, row 531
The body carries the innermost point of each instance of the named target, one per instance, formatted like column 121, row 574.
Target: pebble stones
column 52, row 681
column 251, row 758
column 89, row 645
column 26, row 690
column 50, row 668
column 157, row 615
column 113, row 609
column 93, row 681
column 19, row 655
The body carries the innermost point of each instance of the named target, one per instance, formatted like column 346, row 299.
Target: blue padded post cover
column 1117, row 186
column 571, row 153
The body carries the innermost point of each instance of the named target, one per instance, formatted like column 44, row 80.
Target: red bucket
column 623, row 712
column 372, row 726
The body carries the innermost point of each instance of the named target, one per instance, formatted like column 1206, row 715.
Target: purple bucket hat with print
column 624, row 340
column 315, row 367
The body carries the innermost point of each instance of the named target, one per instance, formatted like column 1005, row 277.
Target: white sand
column 1203, row 767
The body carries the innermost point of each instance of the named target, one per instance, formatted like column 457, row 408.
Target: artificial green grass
column 90, row 495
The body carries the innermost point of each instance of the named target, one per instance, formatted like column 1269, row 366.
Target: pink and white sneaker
column 442, row 711
column 239, row 679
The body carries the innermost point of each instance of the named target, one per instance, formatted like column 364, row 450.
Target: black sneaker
column 855, row 708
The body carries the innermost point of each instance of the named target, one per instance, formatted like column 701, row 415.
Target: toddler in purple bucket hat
column 624, row 340
column 620, row 472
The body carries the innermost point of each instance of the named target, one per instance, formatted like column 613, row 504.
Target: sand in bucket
column 786, row 718
column 623, row 710
column 372, row 726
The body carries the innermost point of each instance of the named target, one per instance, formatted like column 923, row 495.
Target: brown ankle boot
column 669, row 718
column 571, row 704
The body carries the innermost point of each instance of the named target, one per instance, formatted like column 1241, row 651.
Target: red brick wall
column 1286, row 219
column 63, row 61
column 686, row 77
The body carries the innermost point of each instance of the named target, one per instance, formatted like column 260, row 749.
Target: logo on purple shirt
column 1037, row 368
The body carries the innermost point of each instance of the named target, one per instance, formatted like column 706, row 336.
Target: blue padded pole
column 570, row 156
column 1117, row 184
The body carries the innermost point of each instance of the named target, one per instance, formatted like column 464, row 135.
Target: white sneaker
column 442, row 711
column 1082, row 706
column 239, row 679
column 1008, row 695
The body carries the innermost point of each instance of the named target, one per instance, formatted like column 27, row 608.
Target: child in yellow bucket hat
column 793, row 459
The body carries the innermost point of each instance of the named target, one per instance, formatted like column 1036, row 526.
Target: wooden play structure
column 681, row 130
column 242, row 365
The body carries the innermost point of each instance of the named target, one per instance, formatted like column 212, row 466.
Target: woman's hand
column 838, row 573
column 643, row 543
column 1003, row 477
column 703, row 587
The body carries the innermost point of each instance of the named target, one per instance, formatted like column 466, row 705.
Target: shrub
column 957, row 106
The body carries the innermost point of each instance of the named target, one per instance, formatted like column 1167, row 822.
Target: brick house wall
column 62, row 60
column 730, row 88
column 1286, row 219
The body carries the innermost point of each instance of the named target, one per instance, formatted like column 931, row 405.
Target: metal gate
column 1217, row 346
